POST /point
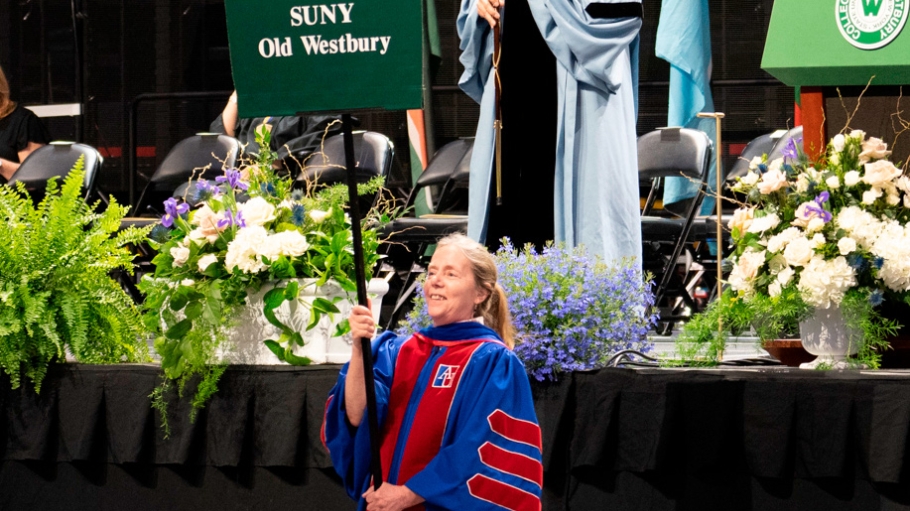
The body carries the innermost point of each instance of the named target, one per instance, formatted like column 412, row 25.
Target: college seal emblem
column 870, row 24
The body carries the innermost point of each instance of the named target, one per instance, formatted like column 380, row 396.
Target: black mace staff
column 497, row 105
column 360, row 273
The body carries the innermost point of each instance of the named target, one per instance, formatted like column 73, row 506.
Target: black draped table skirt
column 613, row 439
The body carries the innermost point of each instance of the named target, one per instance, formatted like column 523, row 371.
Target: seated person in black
column 21, row 132
column 301, row 134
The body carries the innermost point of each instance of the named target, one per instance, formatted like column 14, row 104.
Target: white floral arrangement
column 826, row 228
column 815, row 235
column 255, row 226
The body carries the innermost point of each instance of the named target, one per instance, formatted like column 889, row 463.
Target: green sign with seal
column 288, row 58
column 871, row 24
column 838, row 42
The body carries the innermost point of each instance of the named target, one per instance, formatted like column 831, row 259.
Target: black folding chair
column 203, row 156
column 373, row 152
column 56, row 160
column 408, row 238
column 663, row 153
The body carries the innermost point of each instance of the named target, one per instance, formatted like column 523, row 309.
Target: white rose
column 257, row 211
column 207, row 260
column 873, row 149
column 774, row 289
column 754, row 163
column 858, row 134
column 199, row 237
column 785, row 275
column 742, row 219
column 777, row 264
column 187, row 282
column 799, row 251
column 838, row 142
column 833, row 182
column 880, row 172
column 869, row 196
column 772, row 181
column 207, row 221
column 765, row 223
column 819, row 240
column 746, row 269
column 816, row 224
column 779, row 241
column 893, row 198
column 903, row 184
column 852, row 178
column 802, row 183
column 180, row 255
column 846, row 245
column 750, row 178
column 318, row 216
column 287, row 204
column 775, row 164
column 291, row 243
column 907, row 201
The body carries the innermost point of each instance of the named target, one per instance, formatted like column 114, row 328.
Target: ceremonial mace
column 718, row 208
column 497, row 123
column 360, row 272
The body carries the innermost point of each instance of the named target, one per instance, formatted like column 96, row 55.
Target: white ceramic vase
column 246, row 346
column 826, row 335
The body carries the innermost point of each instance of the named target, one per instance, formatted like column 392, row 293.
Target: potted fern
column 56, row 295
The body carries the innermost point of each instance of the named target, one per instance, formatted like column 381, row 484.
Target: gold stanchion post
column 718, row 151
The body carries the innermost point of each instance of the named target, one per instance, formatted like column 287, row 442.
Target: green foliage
column 56, row 295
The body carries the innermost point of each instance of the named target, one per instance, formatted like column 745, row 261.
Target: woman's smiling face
column 451, row 290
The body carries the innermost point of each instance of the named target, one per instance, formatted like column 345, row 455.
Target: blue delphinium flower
column 298, row 215
column 173, row 209
column 857, row 262
column 876, row 297
column 160, row 234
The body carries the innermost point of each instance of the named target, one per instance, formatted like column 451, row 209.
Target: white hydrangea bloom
column 823, row 283
column 243, row 251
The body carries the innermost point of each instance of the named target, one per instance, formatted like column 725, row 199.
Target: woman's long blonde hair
column 6, row 104
column 495, row 308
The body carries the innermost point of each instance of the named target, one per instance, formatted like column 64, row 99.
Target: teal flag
column 684, row 40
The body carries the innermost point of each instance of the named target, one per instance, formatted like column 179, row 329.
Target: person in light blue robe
column 596, row 197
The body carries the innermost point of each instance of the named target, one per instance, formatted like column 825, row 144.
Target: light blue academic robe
column 596, row 188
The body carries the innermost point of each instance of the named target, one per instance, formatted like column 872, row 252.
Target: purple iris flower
column 207, row 187
column 173, row 209
column 231, row 219
column 232, row 178
column 816, row 206
column 791, row 150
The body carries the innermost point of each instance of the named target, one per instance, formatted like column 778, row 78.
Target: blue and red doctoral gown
column 457, row 420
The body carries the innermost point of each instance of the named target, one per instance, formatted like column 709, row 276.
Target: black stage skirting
column 613, row 439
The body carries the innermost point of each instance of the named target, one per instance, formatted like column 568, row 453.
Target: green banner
column 288, row 58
